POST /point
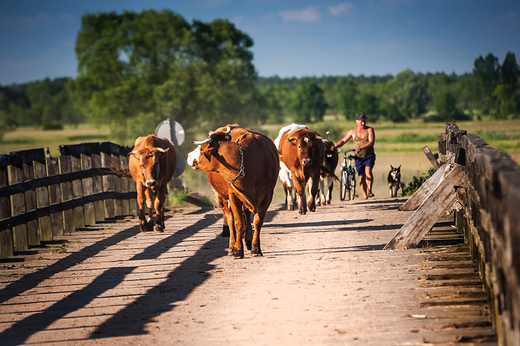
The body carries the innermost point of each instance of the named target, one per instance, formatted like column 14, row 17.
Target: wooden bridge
column 324, row 277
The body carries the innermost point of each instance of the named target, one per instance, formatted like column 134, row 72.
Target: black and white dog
column 394, row 180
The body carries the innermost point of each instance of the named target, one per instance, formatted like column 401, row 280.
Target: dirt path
column 323, row 280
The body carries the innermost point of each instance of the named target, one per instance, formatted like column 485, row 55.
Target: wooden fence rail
column 490, row 219
column 42, row 197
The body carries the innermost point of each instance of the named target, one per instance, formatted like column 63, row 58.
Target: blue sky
column 291, row 37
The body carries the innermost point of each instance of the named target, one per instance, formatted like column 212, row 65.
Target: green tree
column 347, row 98
column 506, row 92
column 309, row 104
column 367, row 103
column 409, row 93
column 135, row 69
column 446, row 107
column 487, row 73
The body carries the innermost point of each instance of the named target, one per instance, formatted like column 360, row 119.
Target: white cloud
column 341, row 9
column 310, row 14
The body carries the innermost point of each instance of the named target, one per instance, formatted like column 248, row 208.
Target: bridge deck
column 324, row 279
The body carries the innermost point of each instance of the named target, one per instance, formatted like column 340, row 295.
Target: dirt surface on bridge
column 323, row 280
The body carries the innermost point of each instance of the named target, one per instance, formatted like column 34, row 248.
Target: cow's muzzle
column 307, row 162
column 150, row 183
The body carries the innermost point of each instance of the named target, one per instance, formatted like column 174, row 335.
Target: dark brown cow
column 248, row 162
column 152, row 164
column 302, row 151
column 330, row 162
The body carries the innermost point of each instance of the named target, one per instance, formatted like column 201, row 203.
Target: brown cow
column 302, row 151
column 221, row 189
column 248, row 162
column 152, row 164
column 330, row 162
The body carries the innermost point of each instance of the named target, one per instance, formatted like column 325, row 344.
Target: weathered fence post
column 53, row 169
column 42, row 199
column 107, row 149
column 69, row 164
column 84, row 151
column 6, row 235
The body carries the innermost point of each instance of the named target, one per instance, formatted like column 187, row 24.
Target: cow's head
column 149, row 162
column 206, row 149
column 331, row 154
column 304, row 143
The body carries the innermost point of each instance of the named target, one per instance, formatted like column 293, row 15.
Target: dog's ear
column 399, row 167
column 392, row 167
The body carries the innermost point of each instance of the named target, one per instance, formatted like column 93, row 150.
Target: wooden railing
column 42, row 197
column 490, row 219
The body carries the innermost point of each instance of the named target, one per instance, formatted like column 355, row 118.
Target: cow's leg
column 236, row 209
column 225, row 227
column 314, row 190
column 150, row 205
column 249, row 229
column 288, row 189
column 140, row 202
column 228, row 214
column 159, row 212
column 299, row 187
column 321, row 192
column 330, row 181
column 258, row 222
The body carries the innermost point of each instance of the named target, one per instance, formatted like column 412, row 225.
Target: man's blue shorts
column 361, row 164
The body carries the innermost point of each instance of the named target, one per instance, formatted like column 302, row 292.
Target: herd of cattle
column 242, row 166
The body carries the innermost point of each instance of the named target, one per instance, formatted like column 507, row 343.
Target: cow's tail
column 120, row 171
column 329, row 172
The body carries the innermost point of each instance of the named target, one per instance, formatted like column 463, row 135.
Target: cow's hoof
column 248, row 245
column 238, row 253
column 158, row 229
column 312, row 208
column 290, row 208
column 225, row 231
column 255, row 252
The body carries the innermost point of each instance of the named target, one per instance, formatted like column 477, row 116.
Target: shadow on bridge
column 191, row 273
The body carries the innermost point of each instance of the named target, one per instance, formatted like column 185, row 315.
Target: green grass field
column 396, row 144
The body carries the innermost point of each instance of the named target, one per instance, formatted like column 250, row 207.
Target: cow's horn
column 161, row 150
column 202, row 142
column 132, row 152
column 228, row 130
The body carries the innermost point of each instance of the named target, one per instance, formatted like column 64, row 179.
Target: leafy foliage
column 416, row 183
column 135, row 69
column 308, row 104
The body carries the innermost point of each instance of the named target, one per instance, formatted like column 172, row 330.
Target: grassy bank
column 396, row 144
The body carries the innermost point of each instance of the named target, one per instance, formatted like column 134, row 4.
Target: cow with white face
column 235, row 153
column 285, row 173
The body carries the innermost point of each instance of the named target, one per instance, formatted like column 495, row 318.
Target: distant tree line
column 137, row 69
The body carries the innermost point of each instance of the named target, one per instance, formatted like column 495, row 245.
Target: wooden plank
column 69, row 222
column 108, row 185
column 42, row 199
column 88, row 208
column 6, row 235
column 77, row 192
column 424, row 191
column 15, row 175
column 33, row 231
column 125, row 183
column 426, row 150
column 97, row 187
column 53, row 169
column 117, row 187
column 420, row 223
